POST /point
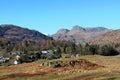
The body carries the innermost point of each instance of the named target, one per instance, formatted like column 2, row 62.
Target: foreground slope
column 91, row 68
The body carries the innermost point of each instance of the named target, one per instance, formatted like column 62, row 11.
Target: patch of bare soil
column 21, row 75
column 90, row 76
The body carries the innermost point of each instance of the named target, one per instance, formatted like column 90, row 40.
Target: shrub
column 108, row 50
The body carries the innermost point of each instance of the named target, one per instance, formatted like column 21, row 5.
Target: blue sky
column 47, row 16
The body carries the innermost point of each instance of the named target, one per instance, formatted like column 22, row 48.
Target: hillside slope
column 112, row 36
column 17, row 33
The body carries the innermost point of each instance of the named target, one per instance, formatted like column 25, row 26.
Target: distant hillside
column 17, row 33
column 79, row 34
column 112, row 36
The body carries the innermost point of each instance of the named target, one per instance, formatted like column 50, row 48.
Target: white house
column 44, row 52
column 17, row 62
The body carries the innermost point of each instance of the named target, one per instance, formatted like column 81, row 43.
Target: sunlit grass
column 111, row 63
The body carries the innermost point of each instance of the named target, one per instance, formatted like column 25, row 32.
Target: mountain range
column 17, row 33
column 77, row 34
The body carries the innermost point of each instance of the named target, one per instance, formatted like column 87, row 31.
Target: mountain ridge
column 78, row 34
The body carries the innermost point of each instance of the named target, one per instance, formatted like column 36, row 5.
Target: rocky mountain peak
column 63, row 31
column 77, row 27
column 76, row 30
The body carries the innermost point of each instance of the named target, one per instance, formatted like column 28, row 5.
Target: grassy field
column 106, row 68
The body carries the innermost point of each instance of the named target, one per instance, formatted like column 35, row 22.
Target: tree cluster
column 28, row 47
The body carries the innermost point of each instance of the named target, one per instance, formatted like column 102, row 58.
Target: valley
column 77, row 54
